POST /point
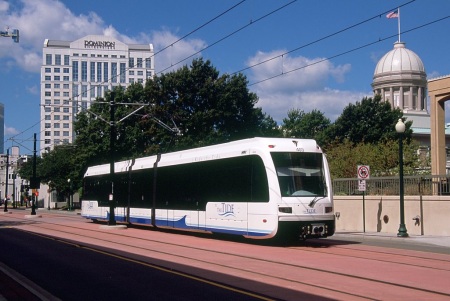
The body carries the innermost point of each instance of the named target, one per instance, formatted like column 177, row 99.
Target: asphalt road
column 70, row 272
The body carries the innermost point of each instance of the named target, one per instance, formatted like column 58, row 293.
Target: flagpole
column 399, row 25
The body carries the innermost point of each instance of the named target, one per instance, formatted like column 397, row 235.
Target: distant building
column 74, row 73
column 400, row 78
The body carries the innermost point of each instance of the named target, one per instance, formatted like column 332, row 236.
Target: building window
column 122, row 72
column 48, row 101
column 131, row 62
column 99, row 72
column 65, row 125
column 65, row 110
column 56, row 109
column 148, row 63
column 48, row 93
column 47, row 125
column 131, row 72
column 57, row 101
column 92, row 72
column 66, row 60
column 66, row 70
column 65, row 78
column 84, row 55
column 57, row 86
column 75, row 70
column 56, row 133
column 65, row 133
column 74, row 91
column 114, row 72
column 48, row 77
column 66, row 117
column 48, row 59
column 48, row 86
column 56, row 117
column 148, row 74
column 65, row 86
column 56, row 125
column 139, row 62
column 57, row 78
column 47, row 141
column 83, row 90
column 47, row 133
column 48, row 117
column 57, row 94
column 84, row 71
column 105, row 72
column 57, row 59
column 140, row 73
column 57, row 70
column 48, row 70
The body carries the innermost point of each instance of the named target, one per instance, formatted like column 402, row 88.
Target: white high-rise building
column 74, row 73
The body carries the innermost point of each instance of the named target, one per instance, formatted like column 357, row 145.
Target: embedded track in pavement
column 326, row 269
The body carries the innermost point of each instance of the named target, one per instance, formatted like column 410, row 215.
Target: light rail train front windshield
column 300, row 174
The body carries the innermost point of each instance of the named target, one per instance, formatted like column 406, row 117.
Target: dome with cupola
column 400, row 79
column 400, row 59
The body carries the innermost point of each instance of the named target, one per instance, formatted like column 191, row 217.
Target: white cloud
column 41, row 19
column 172, row 57
column 4, row 6
column 11, row 131
column 330, row 102
column 305, row 88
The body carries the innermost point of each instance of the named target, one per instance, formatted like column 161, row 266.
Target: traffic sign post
column 363, row 173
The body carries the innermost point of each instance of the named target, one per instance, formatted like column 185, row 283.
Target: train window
column 300, row 174
column 187, row 186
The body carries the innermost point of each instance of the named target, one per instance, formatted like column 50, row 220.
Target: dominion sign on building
column 74, row 73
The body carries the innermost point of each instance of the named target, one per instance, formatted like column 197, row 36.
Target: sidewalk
column 443, row 241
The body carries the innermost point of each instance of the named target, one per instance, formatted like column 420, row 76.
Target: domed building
column 400, row 78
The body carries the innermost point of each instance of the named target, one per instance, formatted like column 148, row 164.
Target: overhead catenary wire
column 152, row 56
column 320, row 39
column 346, row 52
column 252, row 22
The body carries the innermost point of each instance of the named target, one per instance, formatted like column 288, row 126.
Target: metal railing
column 413, row 185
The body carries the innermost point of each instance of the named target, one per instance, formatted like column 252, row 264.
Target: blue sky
column 269, row 32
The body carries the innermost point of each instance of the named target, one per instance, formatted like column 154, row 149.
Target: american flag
column 392, row 15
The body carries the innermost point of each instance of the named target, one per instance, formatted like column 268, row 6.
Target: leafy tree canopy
column 370, row 121
column 305, row 125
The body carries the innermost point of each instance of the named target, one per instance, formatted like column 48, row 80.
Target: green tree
column 371, row 120
column 206, row 107
column 305, row 125
column 382, row 157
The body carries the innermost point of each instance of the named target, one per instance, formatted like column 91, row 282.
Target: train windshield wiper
column 314, row 201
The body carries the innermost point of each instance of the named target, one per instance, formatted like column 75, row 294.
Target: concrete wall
column 382, row 214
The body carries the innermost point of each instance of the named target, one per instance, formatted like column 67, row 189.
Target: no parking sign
column 363, row 172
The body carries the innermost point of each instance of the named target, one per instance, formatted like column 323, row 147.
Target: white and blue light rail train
column 257, row 188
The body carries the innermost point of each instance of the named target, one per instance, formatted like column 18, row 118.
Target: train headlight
column 328, row 209
column 285, row 209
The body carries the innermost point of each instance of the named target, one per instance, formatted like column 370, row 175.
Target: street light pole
column 112, row 137
column 400, row 128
